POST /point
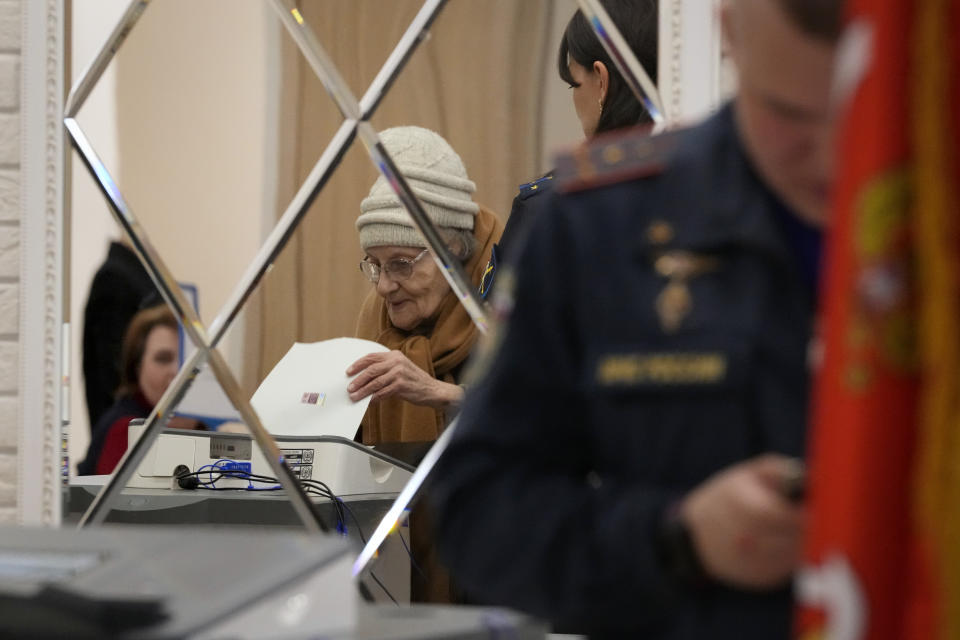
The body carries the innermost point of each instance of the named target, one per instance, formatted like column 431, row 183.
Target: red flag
column 882, row 559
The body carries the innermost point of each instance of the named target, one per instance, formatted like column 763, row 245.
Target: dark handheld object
column 794, row 486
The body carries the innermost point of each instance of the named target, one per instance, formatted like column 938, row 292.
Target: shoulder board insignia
column 489, row 272
column 535, row 187
column 615, row 157
column 488, row 346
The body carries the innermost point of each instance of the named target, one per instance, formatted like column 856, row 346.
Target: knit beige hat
column 438, row 178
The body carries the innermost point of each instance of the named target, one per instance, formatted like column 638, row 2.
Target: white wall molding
column 689, row 58
column 41, row 222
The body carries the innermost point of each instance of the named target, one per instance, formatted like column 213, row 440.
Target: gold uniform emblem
column 674, row 303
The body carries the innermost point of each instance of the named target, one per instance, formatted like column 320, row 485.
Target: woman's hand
column 232, row 427
column 381, row 375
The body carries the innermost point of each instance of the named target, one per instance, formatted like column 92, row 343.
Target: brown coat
column 441, row 352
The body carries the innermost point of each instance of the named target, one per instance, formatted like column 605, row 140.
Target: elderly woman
column 412, row 309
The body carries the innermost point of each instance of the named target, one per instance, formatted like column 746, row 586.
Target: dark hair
column 637, row 22
column 821, row 19
column 135, row 343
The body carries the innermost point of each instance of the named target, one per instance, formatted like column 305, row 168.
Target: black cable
column 385, row 590
column 215, row 474
column 321, row 485
column 363, row 539
column 364, row 591
column 341, row 517
column 312, row 486
column 227, row 473
column 410, row 553
column 353, row 516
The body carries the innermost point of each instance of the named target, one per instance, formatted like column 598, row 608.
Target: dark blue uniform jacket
column 592, row 417
column 520, row 218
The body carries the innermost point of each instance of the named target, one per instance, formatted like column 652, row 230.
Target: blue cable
column 341, row 526
column 209, row 482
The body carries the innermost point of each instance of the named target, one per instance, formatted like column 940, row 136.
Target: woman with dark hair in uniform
column 602, row 98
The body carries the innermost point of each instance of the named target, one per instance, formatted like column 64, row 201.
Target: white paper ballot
column 306, row 393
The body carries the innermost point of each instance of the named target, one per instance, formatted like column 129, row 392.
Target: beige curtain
column 477, row 80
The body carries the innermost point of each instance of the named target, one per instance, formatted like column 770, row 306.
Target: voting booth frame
column 356, row 124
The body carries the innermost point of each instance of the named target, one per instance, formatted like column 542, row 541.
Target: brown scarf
column 439, row 353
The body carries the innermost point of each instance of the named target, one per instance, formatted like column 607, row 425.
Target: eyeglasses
column 398, row 268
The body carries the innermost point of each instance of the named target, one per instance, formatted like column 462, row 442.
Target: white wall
column 181, row 119
column 193, row 93
column 92, row 226
column 9, row 252
column 561, row 128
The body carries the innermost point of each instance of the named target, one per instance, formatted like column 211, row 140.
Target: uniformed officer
column 625, row 466
column 600, row 96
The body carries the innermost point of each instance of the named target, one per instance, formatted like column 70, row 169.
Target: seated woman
column 412, row 310
column 148, row 365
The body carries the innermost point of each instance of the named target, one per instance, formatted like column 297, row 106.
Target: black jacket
column 119, row 287
column 126, row 407
column 521, row 217
column 607, row 398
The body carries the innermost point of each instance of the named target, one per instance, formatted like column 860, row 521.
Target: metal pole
column 88, row 79
column 173, row 294
column 268, row 253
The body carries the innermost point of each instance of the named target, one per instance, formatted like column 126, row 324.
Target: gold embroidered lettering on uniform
column 617, row 370
column 662, row 368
